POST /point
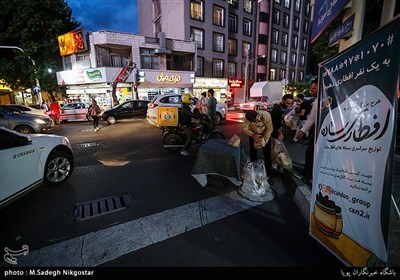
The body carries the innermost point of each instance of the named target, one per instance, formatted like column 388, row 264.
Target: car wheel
column 25, row 129
column 111, row 119
column 217, row 119
column 58, row 168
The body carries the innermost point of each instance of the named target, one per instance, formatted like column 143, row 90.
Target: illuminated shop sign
column 235, row 83
column 72, row 42
column 162, row 77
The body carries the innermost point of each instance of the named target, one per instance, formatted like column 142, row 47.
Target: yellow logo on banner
column 167, row 116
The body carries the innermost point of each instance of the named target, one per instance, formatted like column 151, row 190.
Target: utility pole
column 38, row 89
column 246, row 74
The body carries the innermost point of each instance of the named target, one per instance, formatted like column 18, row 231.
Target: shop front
column 82, row 85
column 219, row 85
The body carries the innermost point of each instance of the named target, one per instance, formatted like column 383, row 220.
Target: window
column 218, row 42
column 196, row 9
column 197, row 35
column 304, row 44
column 115, row 60
column 275, row 36
column 297, row 5
column 277, row 1
column 295, row 40
column 233, row 3
column 272, row 74
column 287, row 4
column 262, row 39
column 232, row 23
column 246, row 27
column 148, row 59
column 305, row 27
column 293, row 58
column 307, row 8
column 292, row 75
column 67, row 62
column 232, row 47
column 200, row 66
column 286, row 20
column 245, row 49
column 274, row 55
column 282, row 74
column 82, row 61
column 284, row 39
column 302, row 60
column 218, row 16
column 218, row 68
column 231, row 69
column 283, row 57
column 181, row 62
column 301, row 76
column 296, row 23
column 243, row 67
column 276, row 16
column 264, row 17
column 247, row 7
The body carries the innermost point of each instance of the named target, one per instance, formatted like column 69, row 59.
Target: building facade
column 130, row 65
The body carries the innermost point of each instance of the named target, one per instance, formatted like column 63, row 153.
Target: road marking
column 105, row 245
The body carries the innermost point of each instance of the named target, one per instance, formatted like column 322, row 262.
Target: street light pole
column 246, row 67
column 39, row 93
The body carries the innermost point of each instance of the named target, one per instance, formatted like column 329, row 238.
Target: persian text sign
column 353, row 163
column 344, row 29
column 235, row 83
column 324, row 13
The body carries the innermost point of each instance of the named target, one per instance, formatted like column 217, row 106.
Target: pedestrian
column 44, row 106
column 55, row 111
column 202, row 104
column 309, row 127
column 277, row 115
column 302, row 111
column 94, row 112
column 258, row 126
column 185, row 119
column 211, row 108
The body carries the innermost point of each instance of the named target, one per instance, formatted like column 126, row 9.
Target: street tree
column 33, row 26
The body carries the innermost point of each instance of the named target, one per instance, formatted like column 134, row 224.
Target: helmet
column 186, row 98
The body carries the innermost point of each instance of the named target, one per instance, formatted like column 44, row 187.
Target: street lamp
column 34, row 69
column 246, row 74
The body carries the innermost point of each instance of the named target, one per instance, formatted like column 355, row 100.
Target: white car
column 255, row 103
column 174, row 100
column 74, row 111
column 26, row 161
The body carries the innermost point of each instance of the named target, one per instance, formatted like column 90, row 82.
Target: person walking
column 309, row 127
column 94, row 111
column 258, row 126
column 302, row 111
column 44, row 106
column 211, row 108
column 55, row 111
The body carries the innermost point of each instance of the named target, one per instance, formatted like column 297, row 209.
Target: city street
column 169, row 219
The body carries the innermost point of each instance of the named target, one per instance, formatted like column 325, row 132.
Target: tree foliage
column 34, row 27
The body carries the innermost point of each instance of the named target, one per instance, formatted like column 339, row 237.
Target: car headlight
column 40, row 121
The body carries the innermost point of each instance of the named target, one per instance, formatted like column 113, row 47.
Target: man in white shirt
column 309, row 126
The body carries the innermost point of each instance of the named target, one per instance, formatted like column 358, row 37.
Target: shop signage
column 235, row 83
column 162, row 77
column 72, row 42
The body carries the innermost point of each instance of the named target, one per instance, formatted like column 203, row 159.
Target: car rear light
column 152, row 105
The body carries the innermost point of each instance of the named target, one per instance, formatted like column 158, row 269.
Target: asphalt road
column 170, row 220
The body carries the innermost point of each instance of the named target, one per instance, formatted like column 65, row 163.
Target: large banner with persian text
column 354, row 151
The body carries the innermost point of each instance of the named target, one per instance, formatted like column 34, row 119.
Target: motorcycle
column 174, row 137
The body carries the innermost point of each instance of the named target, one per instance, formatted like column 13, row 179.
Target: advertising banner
column 123, row 75
column 72, row 42
column 354, row 151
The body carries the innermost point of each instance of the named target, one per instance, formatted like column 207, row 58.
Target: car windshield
column 11, row 109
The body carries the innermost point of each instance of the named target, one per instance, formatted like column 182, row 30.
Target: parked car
column 37, row 158
column 255, row 103
column 174, row 100
column 74, row 111
column 128, row 110
column 28, row 110
column 17, row 120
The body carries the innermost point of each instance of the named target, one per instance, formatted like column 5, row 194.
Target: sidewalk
column 302, row 196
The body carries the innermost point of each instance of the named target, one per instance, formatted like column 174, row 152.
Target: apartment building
column 223, row 31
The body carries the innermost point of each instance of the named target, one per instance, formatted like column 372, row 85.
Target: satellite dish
column 285, row 82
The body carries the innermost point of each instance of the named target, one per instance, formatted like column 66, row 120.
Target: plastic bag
column 234, row 141
column 291, row 119
column 280, row 155
column 255, row 180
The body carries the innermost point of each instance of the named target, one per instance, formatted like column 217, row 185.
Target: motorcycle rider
column 185, row 117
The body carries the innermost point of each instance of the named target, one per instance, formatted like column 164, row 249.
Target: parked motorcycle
column 174, row 137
